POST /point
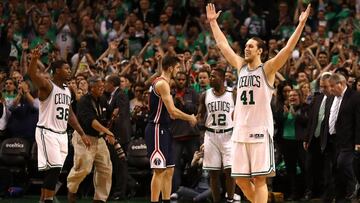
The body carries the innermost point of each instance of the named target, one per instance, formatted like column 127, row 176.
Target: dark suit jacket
column 122, row 126
column 313, row 118
column 347, row 125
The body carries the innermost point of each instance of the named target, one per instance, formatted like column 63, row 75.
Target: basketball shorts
column 253, row 159
column 52, row 148
column 217, row 150
column 158, row 142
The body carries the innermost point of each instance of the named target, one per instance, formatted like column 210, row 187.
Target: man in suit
column 315, row 127
column 119, row 107
column 341, row 136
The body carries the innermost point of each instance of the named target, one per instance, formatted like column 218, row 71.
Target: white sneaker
column 237, row 197
column 174, row 196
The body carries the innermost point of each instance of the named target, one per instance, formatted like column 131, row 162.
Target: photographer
column 91, row 111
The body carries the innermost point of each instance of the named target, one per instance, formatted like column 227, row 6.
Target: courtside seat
column 14, row 157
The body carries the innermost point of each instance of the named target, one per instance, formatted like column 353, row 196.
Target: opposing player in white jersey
column 217, row 106
column 54, row 114
column 253, row 158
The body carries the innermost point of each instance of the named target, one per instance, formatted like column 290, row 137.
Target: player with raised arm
column 253, row 152
column 54, row 114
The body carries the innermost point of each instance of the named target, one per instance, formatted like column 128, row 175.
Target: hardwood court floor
column 62, row 199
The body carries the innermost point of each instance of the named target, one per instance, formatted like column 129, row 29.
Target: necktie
column 320, row 117
column 333, row 115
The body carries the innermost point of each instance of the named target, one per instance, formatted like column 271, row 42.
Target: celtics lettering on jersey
column 54, row 111
column 62, row 113
column 253, row 114
column 247, row 96
column 219, row 110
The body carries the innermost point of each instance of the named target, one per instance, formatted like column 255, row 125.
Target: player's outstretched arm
column 221, row 41
column 43, row 84
column 164, row 90
column 279, row 60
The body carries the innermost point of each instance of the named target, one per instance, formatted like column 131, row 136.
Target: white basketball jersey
column 54, row 110
column 219, row 109
column 253, row 116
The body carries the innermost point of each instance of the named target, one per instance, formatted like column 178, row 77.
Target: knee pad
column 51, row 178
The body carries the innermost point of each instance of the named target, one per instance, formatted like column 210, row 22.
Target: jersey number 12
column 220, row 120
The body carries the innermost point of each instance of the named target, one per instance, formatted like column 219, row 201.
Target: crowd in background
column 128, row 38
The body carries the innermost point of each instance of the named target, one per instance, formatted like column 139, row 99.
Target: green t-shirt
column 289, row 127
column 199, row 89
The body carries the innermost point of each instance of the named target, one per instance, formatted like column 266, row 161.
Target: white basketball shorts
column 253, row 159
column 217, row 150
column 52, row 148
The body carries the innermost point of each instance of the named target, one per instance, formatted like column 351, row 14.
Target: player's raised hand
column 305, row 14
column 211, row 12
column 193, row 120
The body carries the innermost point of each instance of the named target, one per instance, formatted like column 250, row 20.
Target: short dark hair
column 169, row 61
column 204, row 70
column 220, row 71
column 343, row 72
column 114, row 80
column 57, row 64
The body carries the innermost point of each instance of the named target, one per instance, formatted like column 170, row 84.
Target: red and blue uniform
column 157, row 132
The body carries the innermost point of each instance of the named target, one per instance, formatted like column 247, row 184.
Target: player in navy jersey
column 157, row 133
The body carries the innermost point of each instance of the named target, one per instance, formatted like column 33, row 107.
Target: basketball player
column 217, row 106
column 253, row 121
column 54, row 114
column 157, row 133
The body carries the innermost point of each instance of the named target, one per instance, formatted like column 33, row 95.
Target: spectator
column 137, row 101
column 203, row 81
column 66, row 32
column 185, row 137
column 24, row 114
column 291, row 130
column 201, row 191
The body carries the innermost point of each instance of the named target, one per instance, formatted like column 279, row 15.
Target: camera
column 119, row 150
